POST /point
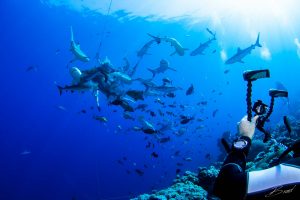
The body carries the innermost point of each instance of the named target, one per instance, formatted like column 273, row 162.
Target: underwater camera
column 259, row 108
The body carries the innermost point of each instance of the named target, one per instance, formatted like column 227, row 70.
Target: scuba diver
column 281, row 181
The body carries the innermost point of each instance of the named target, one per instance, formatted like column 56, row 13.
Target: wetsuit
column 279, row 182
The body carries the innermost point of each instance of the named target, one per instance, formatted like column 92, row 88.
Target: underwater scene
column 113, row 100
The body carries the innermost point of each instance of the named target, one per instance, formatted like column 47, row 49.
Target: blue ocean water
column 51, row 149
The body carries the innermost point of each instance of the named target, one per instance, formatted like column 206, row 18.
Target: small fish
column 152, row 114
column 100, row 118
column 148, row 145
column 287, row 125
column 200, row 127
column 158, row 100
column 179, row 164
column 188, row 159
column 202, row 103
column 24, row 153
column 172, row 106
column 226, row 71
column 171, row 95
column 177, row 153
column 61, row 108
column 149, row 131
column 164, row 139
column 208, row 156
column 178, row 171
column 190, row 90
column 215, row 112
column 155, row 155
column 57, row 51
column 120, row 162
column 126, row 115
column 185, row 119
column 139, row 172
column 166, row 81
column 141, row 107
column 31, row 68
column 83, row 111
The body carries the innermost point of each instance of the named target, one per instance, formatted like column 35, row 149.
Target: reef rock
column 184, row 188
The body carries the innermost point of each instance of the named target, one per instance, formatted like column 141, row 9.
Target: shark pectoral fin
column 172, row 54
column 238, row 49
column 172, row 69
column 152, row 71
column 72, row 35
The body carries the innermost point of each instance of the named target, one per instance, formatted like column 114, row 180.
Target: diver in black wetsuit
column 279, row 182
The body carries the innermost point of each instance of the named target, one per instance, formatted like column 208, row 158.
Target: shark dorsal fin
column 239, row 49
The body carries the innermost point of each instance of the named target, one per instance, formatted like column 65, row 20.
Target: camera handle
column 248, row 100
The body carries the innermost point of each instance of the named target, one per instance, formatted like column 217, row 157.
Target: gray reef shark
column 178, row 47
column 241, row 53
column 205, row 45
column 163, row 66
column 165, row 88
column 144, row 50
column 75, row 49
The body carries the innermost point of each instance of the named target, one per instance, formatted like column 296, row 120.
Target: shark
column 165, row 88
column 75, row 49
column 241, row 53
column 144, row 50
column 178, row 47
column 81, row 87
column 124, row 78
column 202, row 47
column 163, row 66
column 81, row 84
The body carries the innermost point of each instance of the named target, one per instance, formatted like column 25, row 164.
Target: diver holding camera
column 281, row 181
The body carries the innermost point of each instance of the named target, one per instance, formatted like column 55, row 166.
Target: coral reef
column 183, row 188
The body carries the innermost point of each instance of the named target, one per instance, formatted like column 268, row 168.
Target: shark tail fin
column 60, row 89
column 72, row 35
column 157, row 39
column 257, row 41
column 214, row 36
column 152, row 71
